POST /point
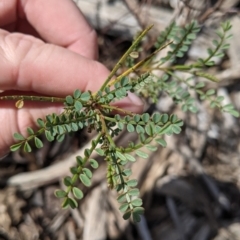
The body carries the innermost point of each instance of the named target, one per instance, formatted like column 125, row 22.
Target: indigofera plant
column 95, row 112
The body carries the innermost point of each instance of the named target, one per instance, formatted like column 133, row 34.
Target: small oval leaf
column 100, row 151
column 15, row 147
column 137, row 202
column 141, row 154
column 60, row 193
column 94, row 164
column 18, row 136
column 77, row 193
column 87, row 172
column 30, row 131
column 27, row 147
column 123, row 207
column 67, row 181
column 127, row 215
column 72, row 203
column 85, row 180
column 129, row 157
column 38, row 142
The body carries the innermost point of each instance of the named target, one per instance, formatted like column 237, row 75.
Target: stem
column 122, row 59
column 140, row 145
column 33, row 98
column 117, row 109
column 139, row 64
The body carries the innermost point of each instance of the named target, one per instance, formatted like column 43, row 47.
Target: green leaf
column 193, row 109
column 215, row 42
column 136, row 217
column 137, row 202
column 127, row 215
column 117, row 117
column 30, row 131
column 140, row 129
column 38, row 142
column 85, row 180
column 138, row 210
column 124, row 81
column 200, row 85
column 121, row 156
column 77, row 193
column 145, row 117
column 49, row 136
column 127, row 172
column 79, row 160
column 130, row 127
column 94, row 164
column 234, row 113
column 141, row 154
column 80, row 125
column 156, row 117
column 60, row 138
column 67, row 181
column 210, row 92
column 78, row 106
column 85, row 96
column 15, row 147
column 133, row 192
column 110, row 96
column 151, row 148
column 40, row 122
column 60, row 129
column 65, row 203
column 27, row 147
column 124, row 207
column 120, row 125
column 132, row 183
column 137, row 118
column 176, row 129
column 74, row 127
column 213, row 104
column 228, row 107
column 129, row 157
column 142, row 138
column 149, row 129
column 72, row 203
column 161, row 141
column 69, row 100
column 76, row 93
column 180, row 54
column 87, row 172
column 121, row 198
column 74, row 170
column 107, row 90
column 184, row 107
column 164, row 118
column 60, row 193
column 191, row 36
column 68, row 127
column 87, row 152
column 219, row 99
column 18, row 136
column 100, row 151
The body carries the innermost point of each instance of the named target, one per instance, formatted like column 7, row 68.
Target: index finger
column 57, row 22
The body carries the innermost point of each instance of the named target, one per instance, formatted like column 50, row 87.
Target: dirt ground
column 190, row 189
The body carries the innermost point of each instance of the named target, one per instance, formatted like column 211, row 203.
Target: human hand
column 46, row 48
